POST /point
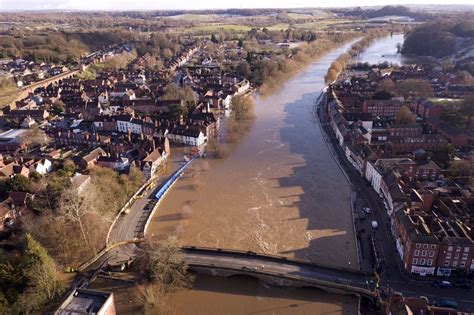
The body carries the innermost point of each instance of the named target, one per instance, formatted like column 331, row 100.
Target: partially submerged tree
column 153, row 297
column 165, row 265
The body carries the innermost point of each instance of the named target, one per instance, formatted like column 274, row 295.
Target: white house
column 191, row 136
column 373, row 174
column 42, row 166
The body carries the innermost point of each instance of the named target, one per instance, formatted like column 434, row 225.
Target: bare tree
column 153, row 298
column 74, row 206
column 165, row 265
column 34, row 137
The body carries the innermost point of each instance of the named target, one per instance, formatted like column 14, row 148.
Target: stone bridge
column 280, row 271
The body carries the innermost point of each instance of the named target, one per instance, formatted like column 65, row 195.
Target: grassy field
column 7, row 94
column 300, row 16
column 321, row 24
column 278, row 27
column 216, row 27
column 194, row 17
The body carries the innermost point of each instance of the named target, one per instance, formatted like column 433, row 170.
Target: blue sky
column 7, row 5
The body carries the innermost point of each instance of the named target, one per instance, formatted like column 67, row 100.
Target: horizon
column 182, row 5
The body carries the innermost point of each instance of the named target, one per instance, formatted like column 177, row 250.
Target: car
column 443, row 284
column 462, row 284
column 449, row 303
column 367, row 210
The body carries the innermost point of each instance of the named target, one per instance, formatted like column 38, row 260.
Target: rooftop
column 84, row 301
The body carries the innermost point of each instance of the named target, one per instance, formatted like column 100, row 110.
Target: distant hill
column 447, row 39
column 389, row 10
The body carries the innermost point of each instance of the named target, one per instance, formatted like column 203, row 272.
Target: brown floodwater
column 279, row 192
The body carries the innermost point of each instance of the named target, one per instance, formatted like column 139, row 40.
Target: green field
column 300, row 16
column 321, row 24
column 194, row 17
column 216, row 27
column 278, row 27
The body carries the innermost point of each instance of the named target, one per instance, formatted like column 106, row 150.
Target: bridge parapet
column 272, row 257
column 281, row 279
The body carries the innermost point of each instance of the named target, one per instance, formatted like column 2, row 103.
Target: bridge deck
column 274, row 266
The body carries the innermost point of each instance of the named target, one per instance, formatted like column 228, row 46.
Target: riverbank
column 280, row 191
column 306, row 54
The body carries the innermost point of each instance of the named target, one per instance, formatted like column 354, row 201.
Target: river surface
column 279, row 192
column 385, row 50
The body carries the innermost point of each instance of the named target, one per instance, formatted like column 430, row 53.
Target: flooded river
column 278, row 192
column 385, row 50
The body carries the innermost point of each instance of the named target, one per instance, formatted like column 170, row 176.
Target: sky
column 21, row 5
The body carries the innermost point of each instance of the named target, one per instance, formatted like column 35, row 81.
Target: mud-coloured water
column 278, row 192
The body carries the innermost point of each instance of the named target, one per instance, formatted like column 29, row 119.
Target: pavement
column 393, row 275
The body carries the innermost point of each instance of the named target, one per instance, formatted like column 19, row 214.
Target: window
column 425, row 246
column 446, row 263
column 464, row 256
column 417, row 253
column 450, row 248
column 423, row 253
column 466, row 249
column 415, row 261
column 463, row 264
column 430, row 262
column 455, row 263
column 433, row 246
column 418, row 245
column 422, row 261
column 432, row 253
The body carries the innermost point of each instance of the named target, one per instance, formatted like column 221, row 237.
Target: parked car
column 449, row 303
column 462, row 284
column 443, row 284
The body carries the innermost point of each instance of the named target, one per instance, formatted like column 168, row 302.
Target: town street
column 393, row 275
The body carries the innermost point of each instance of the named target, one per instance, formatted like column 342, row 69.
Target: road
column 131, row 225
column 272, row 265
column 393, row 275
